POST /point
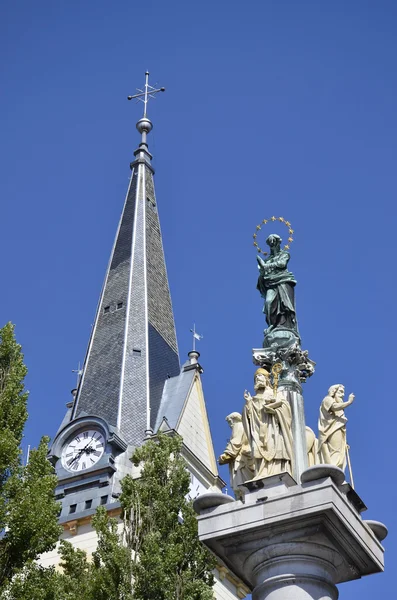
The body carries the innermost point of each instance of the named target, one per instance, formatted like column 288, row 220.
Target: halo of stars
column 272, row 220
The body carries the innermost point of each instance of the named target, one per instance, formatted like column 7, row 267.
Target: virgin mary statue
column 276, row 286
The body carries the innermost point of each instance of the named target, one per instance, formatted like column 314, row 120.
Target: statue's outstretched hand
column 224, row 459
column 247, row 396
column 351, row 397
column 261, row 262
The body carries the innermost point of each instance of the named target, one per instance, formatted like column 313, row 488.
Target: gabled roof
column 183, row 410
column 175, row 393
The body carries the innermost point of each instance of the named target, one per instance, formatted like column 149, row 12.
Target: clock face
column 83, row 451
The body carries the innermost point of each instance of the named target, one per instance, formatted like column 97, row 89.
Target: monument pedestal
column 290, row 541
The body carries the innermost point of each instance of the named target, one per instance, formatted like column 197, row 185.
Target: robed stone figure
column 332, row 447
column 237, row 455
column 267, row 425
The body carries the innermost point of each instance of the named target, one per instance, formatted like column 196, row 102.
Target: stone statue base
column 281, row 481
column 293, row 542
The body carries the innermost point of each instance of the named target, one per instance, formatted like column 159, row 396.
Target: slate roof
column 176, row 390
column 133, row 348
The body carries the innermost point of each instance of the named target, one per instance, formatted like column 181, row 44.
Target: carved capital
column 297, row 366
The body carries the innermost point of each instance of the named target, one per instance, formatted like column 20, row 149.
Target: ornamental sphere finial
column 144, row 125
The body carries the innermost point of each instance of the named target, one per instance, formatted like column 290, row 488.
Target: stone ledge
column 311, row 520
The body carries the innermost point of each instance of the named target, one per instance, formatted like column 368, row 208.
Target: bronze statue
column 276, row 286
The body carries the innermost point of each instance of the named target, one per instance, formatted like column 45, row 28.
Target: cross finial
column 146, row 93
column 196, row 336
column 79, row 372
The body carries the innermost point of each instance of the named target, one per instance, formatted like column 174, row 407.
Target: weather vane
column 146, row 93
column 272, row 220
column 79, row 372
column 196, row 336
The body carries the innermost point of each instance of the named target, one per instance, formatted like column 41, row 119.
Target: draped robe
column 238, row 448
column 269, row 434
column 276, row 286
column 332, row 434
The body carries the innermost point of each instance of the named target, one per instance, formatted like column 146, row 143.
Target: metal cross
column 79, row 372
column 196, row 336
column 145, row 94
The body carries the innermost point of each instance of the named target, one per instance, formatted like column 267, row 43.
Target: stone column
column 295, row 400
column 291, row 541
column 293, row 571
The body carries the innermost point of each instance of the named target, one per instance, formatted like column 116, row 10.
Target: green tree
column 28, row 510
column 156, row 556
column 46, row 583
column 168, row 560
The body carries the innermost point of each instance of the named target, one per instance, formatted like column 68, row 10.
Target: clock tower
column 131, row 384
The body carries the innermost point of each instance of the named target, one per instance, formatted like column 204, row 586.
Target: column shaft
column 298, row 432
column 295, row 578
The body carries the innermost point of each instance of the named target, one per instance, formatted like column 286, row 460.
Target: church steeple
column 131, row 384
column 133, row 348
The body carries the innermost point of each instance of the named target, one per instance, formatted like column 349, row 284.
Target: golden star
column 264, row 221
column 281, row 219
column 291, row 231
column 288, row 224
column 254, row 236
column 274, row 219
column 258, row 227
column 290, row 239
column 286, row 247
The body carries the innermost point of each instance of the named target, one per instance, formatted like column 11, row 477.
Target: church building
column 131, row 384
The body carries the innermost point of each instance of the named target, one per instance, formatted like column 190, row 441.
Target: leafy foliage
column 13, row 413
column 110, row 570
column 28, row 510
column 169, row 562
column 157, row 556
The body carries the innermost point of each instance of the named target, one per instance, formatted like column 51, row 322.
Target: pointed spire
column 133, row 348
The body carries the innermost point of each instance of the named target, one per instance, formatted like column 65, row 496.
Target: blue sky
column 284, row 108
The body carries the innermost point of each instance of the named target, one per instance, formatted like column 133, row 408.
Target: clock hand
column 85, row 448
column 79, row 454
column 89, row 449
